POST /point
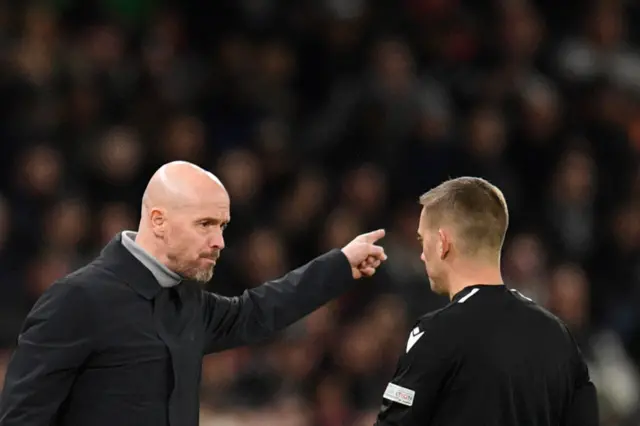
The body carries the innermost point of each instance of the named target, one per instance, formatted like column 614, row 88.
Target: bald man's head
column 180, row 183
column 184, row 212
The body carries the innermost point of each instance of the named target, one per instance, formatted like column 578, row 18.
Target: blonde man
column 491, row 356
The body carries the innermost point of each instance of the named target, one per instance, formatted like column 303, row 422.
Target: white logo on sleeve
column 399, row 394
column 415, row 335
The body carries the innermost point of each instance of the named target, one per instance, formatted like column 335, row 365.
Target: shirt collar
column 164, row 276
column 467, row 290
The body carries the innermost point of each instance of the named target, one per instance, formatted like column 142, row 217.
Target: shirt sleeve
column 55, row 341
column 410, row 397
column 583, row 410
column 272, row 306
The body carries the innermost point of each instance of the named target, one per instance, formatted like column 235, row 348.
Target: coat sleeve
column 410, row 397
column 260, row 312
column 54, row 342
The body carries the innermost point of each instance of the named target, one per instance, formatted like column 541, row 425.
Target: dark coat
column 95, row 349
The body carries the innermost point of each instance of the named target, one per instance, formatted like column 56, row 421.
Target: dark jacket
column 490, row 358
column 94, row 350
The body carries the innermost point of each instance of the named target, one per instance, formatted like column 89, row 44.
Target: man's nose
column 217, row 241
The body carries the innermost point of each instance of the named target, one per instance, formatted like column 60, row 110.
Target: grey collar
column 164, row 276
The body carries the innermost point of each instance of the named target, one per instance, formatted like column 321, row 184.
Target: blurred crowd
column 325, row 118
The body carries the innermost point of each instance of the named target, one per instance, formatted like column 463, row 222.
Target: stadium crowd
column 324, row 119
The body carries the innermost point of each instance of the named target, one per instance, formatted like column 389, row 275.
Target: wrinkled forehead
column 218, row 207
column 215, row 204
column 222, row 207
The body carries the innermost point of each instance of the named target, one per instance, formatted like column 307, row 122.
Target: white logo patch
column 415, row 335
column 399, row 394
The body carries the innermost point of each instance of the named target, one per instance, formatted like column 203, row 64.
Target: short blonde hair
column 476, row 209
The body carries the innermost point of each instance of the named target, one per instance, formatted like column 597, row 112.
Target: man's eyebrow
column 212, row 219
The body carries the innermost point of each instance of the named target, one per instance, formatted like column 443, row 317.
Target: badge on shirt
column 399, row 394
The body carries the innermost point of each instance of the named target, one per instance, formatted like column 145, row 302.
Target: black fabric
column 108, row 346
column 490, row 357
column 168, row 310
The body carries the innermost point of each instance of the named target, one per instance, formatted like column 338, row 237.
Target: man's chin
column 204, row 276
column 200, row 275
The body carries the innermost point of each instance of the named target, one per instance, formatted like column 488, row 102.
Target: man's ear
column 158, row 219
column 444, row 244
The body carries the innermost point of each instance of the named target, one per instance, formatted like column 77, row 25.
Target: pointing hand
column 364, row 255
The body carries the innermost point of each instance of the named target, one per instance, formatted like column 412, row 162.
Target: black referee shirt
column 490, row 357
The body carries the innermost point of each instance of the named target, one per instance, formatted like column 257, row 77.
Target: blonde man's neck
column 469, row 273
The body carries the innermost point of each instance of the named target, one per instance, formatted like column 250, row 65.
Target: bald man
column 120, row 342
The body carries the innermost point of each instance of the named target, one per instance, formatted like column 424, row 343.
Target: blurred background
column 325, row 118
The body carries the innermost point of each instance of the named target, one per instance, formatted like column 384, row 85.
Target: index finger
column 373, row 236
